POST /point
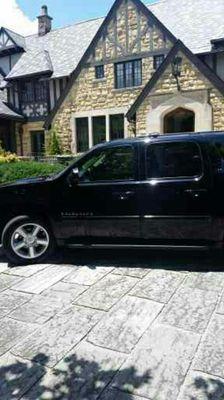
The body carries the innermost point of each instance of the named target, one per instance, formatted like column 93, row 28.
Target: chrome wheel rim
column 30, row 241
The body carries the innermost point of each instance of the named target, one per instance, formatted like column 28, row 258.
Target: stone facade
column 130, row 35
column 193, row 86
column 88, row 94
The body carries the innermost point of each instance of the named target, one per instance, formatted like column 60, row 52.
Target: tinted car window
column 173, row 160
column 116, row 163
column 216, row 154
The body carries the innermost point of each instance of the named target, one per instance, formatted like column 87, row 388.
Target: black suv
column 156, row 191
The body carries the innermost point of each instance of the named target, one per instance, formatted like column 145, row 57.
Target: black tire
column 8, row 234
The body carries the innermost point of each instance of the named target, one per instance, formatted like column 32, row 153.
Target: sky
column 20, row 15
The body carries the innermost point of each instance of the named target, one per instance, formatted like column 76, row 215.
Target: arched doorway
column 179, row 120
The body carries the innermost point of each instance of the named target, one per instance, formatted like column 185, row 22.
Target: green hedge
column 26, row 169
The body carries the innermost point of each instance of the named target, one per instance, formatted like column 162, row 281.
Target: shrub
column 6, row 156
column 53, row 148
column 10, row 172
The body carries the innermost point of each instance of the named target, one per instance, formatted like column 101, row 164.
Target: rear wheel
column 27, row 240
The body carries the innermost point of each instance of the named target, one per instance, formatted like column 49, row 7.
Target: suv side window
column 173, row 160
column 109, row 164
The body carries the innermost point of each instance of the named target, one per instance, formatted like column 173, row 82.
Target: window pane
column 27, row 91
column 99, row 129
column 158, row 60
column 116, row 126
column 137, row 73
column 82, row 136
column 109, row 164
column 120, row 80
column 129, row 74
column 173, row 160
column 41, row 90
column 216, row 155
column 99, row 71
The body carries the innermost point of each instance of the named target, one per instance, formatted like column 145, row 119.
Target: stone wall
column 87, row 93
column 191, row 82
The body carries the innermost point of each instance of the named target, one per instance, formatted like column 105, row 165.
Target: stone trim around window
column 97, row 113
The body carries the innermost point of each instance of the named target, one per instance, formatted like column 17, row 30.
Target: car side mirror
column 74, row 178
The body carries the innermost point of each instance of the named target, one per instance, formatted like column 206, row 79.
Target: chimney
column 44, row 22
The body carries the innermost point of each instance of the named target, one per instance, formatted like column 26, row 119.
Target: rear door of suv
column 175, row 193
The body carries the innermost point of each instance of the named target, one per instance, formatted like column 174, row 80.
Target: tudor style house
column 142, row 69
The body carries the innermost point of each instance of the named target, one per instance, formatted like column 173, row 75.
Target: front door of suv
column 103, row 205
column 175, row 193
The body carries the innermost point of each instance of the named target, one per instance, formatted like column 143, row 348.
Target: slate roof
column 7, row 112
column 195, row 22
column 30, row 63
column 18, row 39
column 65, row 47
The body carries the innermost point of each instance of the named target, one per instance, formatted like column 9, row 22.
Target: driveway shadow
column 78, row 379
column 176, row 260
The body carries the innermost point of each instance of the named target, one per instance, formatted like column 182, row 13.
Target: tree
column 53, row 148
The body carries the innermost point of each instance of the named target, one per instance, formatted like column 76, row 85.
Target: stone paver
column 206, row 281
column 6, row 281
column 123, row 326
column 210, row 357
column 58, row 336
column 43, row 279
column 88, row 370
column 158, row 285
column 39, row 309
column 10, row 300
column 27, row 270
column 27, row 373
column 157, row 367
column 135, row 272
column 114, row 394
column 190, row 309
column 220, row 306
column 200, row 386
column 110, row 331
column 104, row 294
column 87, row 276
column 12, row 332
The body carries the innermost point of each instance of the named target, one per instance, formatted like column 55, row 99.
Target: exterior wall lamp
column 177, row 69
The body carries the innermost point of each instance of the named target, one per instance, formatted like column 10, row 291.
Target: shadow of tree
column 207, row 389
column 73, row 379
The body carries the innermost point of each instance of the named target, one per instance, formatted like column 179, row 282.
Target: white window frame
column 96, row 113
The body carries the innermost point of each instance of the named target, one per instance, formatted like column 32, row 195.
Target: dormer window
column 99, row 72
column 217, row 44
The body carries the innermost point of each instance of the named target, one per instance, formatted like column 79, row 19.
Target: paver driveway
column 139, row 327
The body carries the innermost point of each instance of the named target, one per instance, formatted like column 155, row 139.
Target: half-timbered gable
column 129, row 33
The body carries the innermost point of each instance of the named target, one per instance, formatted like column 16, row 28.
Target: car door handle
column 123, row 195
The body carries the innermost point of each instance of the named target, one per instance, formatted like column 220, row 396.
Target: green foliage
column 26, row 169
column 6, row 156
column 53, row 148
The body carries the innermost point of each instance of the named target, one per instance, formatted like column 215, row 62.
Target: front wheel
column 27, row 240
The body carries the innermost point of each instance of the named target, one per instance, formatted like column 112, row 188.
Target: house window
column 99, row 72
column 82, row 134
column 99, row 129
column 116, row 126
column 34, row 90
column 158, row 60
column 128, row 74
